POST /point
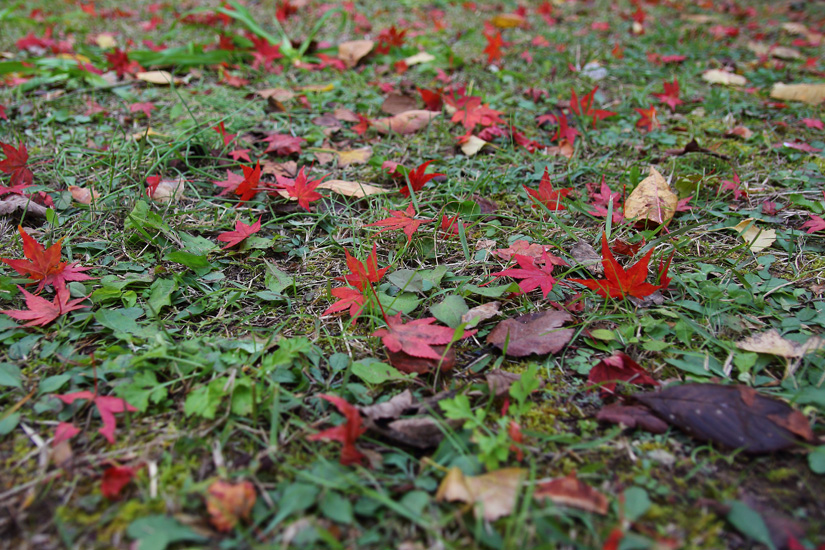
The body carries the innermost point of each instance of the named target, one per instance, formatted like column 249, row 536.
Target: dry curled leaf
column 716, row 76
column 537, row 333
column 651, row 201
column 481, row 313
column 771, row 342
column 493, row 495
column 159, row 78
column 758, row 239
column 352, row 188
column 404, row 123
column 353, row 51
column 83, row 195
column 228, row 503
column 168, row 190
column 18, row 203
column 571, row 491
column 632, row 416
column 812, row 94
column 472, row 145
column 397, row 103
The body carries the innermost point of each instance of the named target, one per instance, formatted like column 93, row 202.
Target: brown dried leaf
column 493, row 495
column 535, row 333
column 83, row 195
column 228, row 503
column 397, row 103
column 345, row 115
column 632, row 416
column 278, row 94
column 812, row 94
column 409, row 363
column 508, row 20
column 353, row 51
column 732, row 416
column 587, row 257
column 404, row 123
column 481, row 313
column 159, row 78
column 651, row 201
column 572, row 492
column 773, row 343
column 499, row 381
column 18, row 203
column 352, row 188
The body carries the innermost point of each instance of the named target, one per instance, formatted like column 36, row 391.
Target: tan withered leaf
column 169, row 190
column 771, row 342
column 780, row 52
column 278, row 94
column 587, row 257
column 493, row 495
column 472, row 146
column 354, row 156
column 159, row 78
column 716, row 76
column 407, row 122
column 352, row 188
column 571, row 491
column 812, row 94
column 652, row 201
column 420, row 57
column 481, row 313
column 353, row 51
column 83, row 195
column 228, row 503
column 758, row 239
column 14, row 203
column 417, row 428
column 508, row 20
column 538, row 333
column 499, row 381
column 732, row 416
column 396, row 103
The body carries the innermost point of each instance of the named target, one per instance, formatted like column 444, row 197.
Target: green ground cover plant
column 412, row 275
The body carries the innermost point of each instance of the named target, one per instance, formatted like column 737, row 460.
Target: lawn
column 410, row 275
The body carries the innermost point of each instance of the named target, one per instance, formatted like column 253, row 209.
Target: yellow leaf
column 758, row 239
column 472, row 146
column 715, row 76
column 652, row 200
column 812, row 94
column 420, row 57
column 105, row 41
column 354, row 156
column 137, row 136
column 352, row 188
column 771, row 342
column 160, row 78
column 317, row 88
column 508, row 20
column 493, row 494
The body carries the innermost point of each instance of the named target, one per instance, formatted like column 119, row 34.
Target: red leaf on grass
column 432, row 99
column 242, row 231
column 3, row 112
column 401, row 219
column 418, row 178
column 619, row 282
column 284, row 144
column 532, row 276
column 249, row 186
column 64, row 432
column 227, row 138
column 106, row 406
column 44, row 265
column 416, row 337
column 670, row 97
column 585, row 107
column 493, row 47
column 146, row 108
column 231, row 183
column 564, row 131
column 470, row 112
column 618, row 367
column 228, row 503
column 362, row 274
column 571, row 491
column 647, row 118
column 813, row 225
column 549, row 197
column 115, row 478
column 302, row 189
column 16, row 164
column 41, row 312
column 346, row 433
column 348, row 298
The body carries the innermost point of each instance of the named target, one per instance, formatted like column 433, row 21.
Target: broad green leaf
column 158, row 532
column 373, row 371
column 161, row 294
column 10, row 376
column 748, row 522
column 450, row 310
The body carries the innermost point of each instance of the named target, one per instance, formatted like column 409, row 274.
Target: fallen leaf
column 780, row 52
column 83, row 195
column 716, row 76
column 532, row 276
column 405, row 420
column 740, row 131
column 651, row 201
column 241, row 232
column 771, row 342
column 166, row 190
column 141, row 134
column 537, row 333
column 278, row 94
column 115, row 478
column 353, row 51
column 345, row 433
column 587, row 257
column 481, row 313
column 404, row 220
column 493, row 495
column 16, row 164
column 499, row 381
column 617, row 367
column 733, row 416
column 758, row 239
column 632, row 416
column 352, row 188
column 352, row 156
column 41, row 312
column 44, row 265
column 472, row 145
column 508, row 20
column 106, row 407
column 228, row 503
column 812, row 94
column 396, row 104
column 417, row 59
column 160, row 78
column 14, row 203
column 407, row 363
column 571, row 491
column 417, row 337
column 404, row 123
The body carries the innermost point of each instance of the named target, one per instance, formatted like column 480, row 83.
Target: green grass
column 225, row 352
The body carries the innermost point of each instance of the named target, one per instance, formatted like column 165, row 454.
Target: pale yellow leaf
column 812, row 94
column 317, row 88
column 105, row 41
column 472, row 146
column 715, row 76
column 772, row 343
column 652, row 200
column 493, row 495
column 508, row 20
column 168, row 190
column 420, row 57
column 352, row 188
column 758, row 239
column 160, row 78
column 353, row 51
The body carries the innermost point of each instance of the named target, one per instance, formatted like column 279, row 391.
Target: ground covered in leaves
column 412, row 275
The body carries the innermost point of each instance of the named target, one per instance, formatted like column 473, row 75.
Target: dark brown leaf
column 570, row 491
column 632, row 416
column 422, row 365
column 535, row 333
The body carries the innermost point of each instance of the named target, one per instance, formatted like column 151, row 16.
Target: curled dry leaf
column 83, row 195
column 409, row 363
column 652, row 201
column 168, row 190
column 499, row 381
column 732, row 416
column 18, row 203
column 472, row 146
column 396, row 104
column 537, row 333
column 159, row 78
column 404, row 123
column 773, row 343
column 758, row 239
column 716, row 76
column 353, row 51
column 493, row 495
column 780, row 52
column 812, row 94
column 571, row 491
column 417, row 428
column 587, row 257
column 481, row 313
column 420, row 57
column 228, row 503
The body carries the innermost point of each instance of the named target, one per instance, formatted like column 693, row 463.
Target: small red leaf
column 242, row 231
column 346, row 433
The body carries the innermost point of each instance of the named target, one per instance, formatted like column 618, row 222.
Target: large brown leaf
column 538, row 333
column 733, row 416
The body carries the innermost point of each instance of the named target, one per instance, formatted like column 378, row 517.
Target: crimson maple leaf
column 348, row 298
column 284, row 144
column 44, row 264
column 564, row 131
column 227, row 138
column 619, row 282
column 264, row 52
column 549, row 197
column 64, row 432
column 432, row 99
column 814, row 224
column 670, row 97
column 115, row 478
column 531, row 275
column 242, row 231
column 302, row 189
column 362, row 274
column 401, row 219
column 16, row 164
column 249, row 186
column 493, row 48
column 4, row 117
column 231, row 182
column 119, row 61
column 449, row 225
column 416, row 337
column 470, row 112
column 346, row 433
column 647, row 118
column 389, row 38
column 146, row 108
column 418, row 178
column 41, row 312
column 106, row 406
column 618, row 367
column 585, row 106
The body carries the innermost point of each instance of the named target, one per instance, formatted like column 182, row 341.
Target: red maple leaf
column 670, row 97
column 348, row 298
column 619, row 282
column 549, row 197
column 4, row 117
column 64, row 432
column 41, row 312
column 44, row 264
column 585, row 106
column 417, row 337
column 284, row 144
column 814, row 224
column 734, row 187
column 264, row 52
column 242, row 231
column 470, row 112
column 401, row 219
column 227, row 138
column 362, row 274
column 107, row 407
column 115, row 478
column 16, row 164
column 302, row 189
column 564, row 131
column 231, row 183
column 346, row 433
column 145, row 108
column 618, row 367
column 809, row 122
column 240, row 154
column 119, row 61
column 418, row 178
column 389, row 38
column 493, row 48
column 432, row 99
column 249, row 186
column 531, row 275
column 647, row 118
column 449, row 225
